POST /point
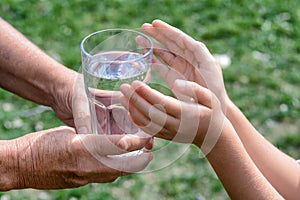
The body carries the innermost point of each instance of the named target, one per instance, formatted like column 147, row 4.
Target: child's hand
column 195, row 118
column 189, row 59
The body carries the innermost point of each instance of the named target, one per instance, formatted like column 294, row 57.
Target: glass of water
column 110, row 58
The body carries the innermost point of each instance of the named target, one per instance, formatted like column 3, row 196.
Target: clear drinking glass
column 110, row 58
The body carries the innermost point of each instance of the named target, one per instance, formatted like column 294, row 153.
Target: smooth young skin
column 56, row 158
column 228, row 154
column 191, row 60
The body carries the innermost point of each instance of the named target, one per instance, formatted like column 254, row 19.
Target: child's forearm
column 282, row 171
column 239, row 175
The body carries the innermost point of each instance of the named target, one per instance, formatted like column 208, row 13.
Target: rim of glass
column 117, row 29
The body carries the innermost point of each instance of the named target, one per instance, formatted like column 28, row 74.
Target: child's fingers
column 156, row 112
column 200, row 94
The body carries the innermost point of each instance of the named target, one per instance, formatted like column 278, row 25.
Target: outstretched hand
column 195, row 118
column 190, row 59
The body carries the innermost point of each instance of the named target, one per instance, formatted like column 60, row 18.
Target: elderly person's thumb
column 80, row 107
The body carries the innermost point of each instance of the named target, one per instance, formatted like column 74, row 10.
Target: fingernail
column 149, row 145
column 124, row 88
column 180, row 84
column 82, row 130
column 136, row 84
column 145, row 26
column 151, row 156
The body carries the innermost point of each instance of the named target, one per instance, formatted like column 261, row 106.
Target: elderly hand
column 70, row 101
column 59, row 158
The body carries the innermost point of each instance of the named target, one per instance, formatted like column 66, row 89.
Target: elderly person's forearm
column 28, row 71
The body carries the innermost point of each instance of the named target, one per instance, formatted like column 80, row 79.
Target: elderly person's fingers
column 80, row 107
column 103, row 145
column 59, row 158
column 104, row 148
column 128, row 164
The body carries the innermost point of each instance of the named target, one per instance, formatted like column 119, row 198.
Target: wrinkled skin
column 58, row 158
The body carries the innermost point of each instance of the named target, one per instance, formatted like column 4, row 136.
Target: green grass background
column 266, row 87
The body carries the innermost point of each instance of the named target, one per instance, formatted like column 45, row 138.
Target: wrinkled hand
column 72, row 107
column 190, row 59
column 59, row 158
column 197, row 119
column 80, row 107
column 71, row 104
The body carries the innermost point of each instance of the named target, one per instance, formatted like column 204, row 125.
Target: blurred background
column 257, row 43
